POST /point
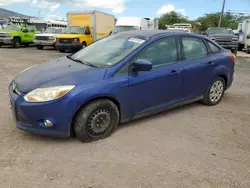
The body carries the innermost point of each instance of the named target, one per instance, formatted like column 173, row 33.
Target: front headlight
column 48, row 94
column 51, row 38
column 76, row 39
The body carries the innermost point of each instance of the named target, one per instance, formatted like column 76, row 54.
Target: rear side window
column 214, row 48
column 193, row 48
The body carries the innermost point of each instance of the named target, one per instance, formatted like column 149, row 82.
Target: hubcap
column 216, row 91
column 99, row 122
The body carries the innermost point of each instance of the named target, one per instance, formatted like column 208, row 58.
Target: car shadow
column 153, row 117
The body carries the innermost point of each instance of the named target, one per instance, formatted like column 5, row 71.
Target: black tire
column 39, row 47
column 61, row 51
column 84, row 45
column 207, row 97
column 248, row 50
column 16, row 43
column 240, row 47
column 0, row 45
column 234, row 52
column 86, row 127
column 26, row 44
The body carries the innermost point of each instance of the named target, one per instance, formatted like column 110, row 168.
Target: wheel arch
column 85, row 103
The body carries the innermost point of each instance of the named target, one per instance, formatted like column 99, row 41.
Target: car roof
column 155, row 33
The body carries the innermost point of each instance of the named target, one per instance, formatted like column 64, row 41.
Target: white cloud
column 4, row 3
column 44, row 4
column 116, row 6
column 169, row 8
column 55, row 16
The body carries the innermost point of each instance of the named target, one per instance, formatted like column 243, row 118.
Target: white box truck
column 135, row 23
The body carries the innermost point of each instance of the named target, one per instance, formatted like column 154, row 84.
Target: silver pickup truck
column 224, row 36
column 48, row 38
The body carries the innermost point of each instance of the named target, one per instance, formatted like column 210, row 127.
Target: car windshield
column 108, row 51
column 73, row 30
column 220, row 31
column 12, row 27
column 118, row 29
column 53, row 30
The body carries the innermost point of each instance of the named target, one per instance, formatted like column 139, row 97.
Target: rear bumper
column 6, row 40
column 69, row 46
column 44, row 43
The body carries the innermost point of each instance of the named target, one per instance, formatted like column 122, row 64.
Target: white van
column 131, row 23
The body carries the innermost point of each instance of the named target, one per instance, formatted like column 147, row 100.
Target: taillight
column 233, row 58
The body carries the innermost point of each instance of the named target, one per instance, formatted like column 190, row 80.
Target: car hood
column 46, row 35
column 62, row 71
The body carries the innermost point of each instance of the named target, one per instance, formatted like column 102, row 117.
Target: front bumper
column 30, row 116
column 6, row 40
column 44, row 42
column 68, row 46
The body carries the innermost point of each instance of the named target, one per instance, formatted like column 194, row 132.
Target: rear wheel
column 16, row 43
column 39, row 47
column 234, row 52
column 215, row 92
column 96, row 121
column 240, row 47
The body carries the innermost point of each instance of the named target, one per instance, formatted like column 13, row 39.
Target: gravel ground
column 191, row 147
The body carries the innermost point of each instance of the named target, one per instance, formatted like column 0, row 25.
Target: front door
column 161, row 86
column 88, row 36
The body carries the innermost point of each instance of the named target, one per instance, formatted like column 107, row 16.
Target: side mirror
column 142, row 65
column 248, row 36
column 87, row 33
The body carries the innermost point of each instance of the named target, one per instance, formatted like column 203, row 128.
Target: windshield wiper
column 80, row 61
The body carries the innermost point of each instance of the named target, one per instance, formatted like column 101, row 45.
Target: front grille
column 20, row 115
column 3, row 35
column 65, row 41
column 42, row 38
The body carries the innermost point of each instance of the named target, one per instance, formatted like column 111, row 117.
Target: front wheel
column 61, row 51
column 39, row 47
column 96, row 121
column 16, row 43
column 215, row 92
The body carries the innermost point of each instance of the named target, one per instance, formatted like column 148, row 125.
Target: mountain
column 4, row 13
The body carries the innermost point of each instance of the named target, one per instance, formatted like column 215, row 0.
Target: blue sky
column 57, row 9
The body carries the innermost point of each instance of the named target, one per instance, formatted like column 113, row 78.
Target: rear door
column 198, row 64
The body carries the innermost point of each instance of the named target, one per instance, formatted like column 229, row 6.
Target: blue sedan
column 118, row 79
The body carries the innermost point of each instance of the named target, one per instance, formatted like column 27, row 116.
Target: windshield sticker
column 135, row 40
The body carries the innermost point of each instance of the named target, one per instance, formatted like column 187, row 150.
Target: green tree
column 171, row 18
column 211, row 20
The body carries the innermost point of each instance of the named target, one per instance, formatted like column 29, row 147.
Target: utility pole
column 222, row 11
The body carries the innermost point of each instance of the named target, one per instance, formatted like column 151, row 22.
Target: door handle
column 210, row 63
column 174, row 72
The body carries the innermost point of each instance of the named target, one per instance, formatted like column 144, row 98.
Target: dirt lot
column 189, row 147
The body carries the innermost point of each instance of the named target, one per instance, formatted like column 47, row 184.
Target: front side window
column 32, row 29
column 87, row 30
column 193, row 48
column 109, row 51
column 160, row 53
